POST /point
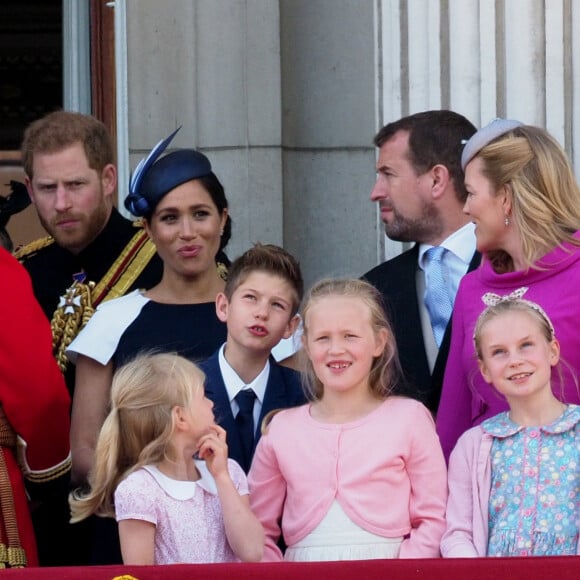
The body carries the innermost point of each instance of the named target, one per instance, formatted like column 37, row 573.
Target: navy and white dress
column 122, row 328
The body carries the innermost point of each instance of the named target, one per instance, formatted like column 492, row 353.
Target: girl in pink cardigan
column 356, row 473
column 514, row 488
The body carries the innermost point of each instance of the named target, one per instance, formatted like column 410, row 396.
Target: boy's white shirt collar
column 234, row 383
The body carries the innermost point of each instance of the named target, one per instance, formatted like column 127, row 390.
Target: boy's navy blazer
column 283, row 390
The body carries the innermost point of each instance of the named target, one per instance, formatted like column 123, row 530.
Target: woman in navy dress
column 185, row 213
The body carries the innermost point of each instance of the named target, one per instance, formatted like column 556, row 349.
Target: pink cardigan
column 467, row 530
column 386, row 470
column 469, row 488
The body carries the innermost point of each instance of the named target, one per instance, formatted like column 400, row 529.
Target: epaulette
column 28, row 250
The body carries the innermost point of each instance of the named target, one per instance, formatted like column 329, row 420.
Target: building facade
column 285, row 97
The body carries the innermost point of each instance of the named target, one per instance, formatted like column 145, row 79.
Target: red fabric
column 32, row 390
column 553, row 568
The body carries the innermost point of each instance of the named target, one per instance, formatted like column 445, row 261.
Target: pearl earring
column 507, row 221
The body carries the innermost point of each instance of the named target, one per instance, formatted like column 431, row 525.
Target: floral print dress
column 535, row 486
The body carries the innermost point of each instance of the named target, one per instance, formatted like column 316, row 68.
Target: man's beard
column 89, row 228
column 423, row 229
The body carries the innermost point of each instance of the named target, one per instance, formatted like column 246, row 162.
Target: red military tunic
column 36, row 406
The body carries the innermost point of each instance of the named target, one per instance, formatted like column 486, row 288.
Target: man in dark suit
column 421, row 194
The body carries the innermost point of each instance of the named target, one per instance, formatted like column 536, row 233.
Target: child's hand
column 214, row 451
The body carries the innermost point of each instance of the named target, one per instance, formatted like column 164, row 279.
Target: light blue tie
column 437, row 299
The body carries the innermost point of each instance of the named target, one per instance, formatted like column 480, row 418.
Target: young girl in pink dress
column 356, row 473
column 171, row 507
column 514, row 488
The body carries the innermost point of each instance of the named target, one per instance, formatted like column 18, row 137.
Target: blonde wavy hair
column 139, row 426
column 534, row 168
column 386, row 371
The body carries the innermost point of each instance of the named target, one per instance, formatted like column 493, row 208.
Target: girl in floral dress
column 514, row 486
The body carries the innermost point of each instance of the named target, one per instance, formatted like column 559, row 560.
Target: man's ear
column 222, row 306
column 440, row 180
column 109, row 179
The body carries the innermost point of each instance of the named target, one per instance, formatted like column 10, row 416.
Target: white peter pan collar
column 183, row 490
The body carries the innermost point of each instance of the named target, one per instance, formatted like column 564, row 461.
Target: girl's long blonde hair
column 386, row 369
column 139, row 426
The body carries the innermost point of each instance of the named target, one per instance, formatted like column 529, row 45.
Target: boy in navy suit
column 259, row 305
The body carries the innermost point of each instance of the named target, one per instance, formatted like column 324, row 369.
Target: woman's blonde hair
column 139, row 426
column 530, row 164
column 386, row 369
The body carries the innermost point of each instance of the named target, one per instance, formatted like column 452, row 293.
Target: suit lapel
column 215, row 389
column 408, row 327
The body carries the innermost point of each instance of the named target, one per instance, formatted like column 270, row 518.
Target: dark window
column 30, row 65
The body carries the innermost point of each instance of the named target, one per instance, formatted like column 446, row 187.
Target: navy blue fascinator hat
column 154, row 177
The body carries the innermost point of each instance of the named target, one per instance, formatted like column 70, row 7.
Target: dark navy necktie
column 245, row 424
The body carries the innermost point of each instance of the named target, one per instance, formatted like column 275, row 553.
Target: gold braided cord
column 222, row 271
column 14, row 555
column 33, row 247
column 117, row 266
column 49, row 474
column 68, row 319
column 132, row 271
column 79, row 302
column 7, row 434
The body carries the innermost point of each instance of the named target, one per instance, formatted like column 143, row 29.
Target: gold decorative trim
column 33, row 247
column 13, row 555
column 129, row 254
column 132, row 271
column 81, row 299
column 49, row 474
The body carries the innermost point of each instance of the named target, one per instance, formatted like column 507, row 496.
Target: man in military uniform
column 92, row 254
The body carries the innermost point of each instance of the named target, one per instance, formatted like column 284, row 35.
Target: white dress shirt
column 234, row 385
